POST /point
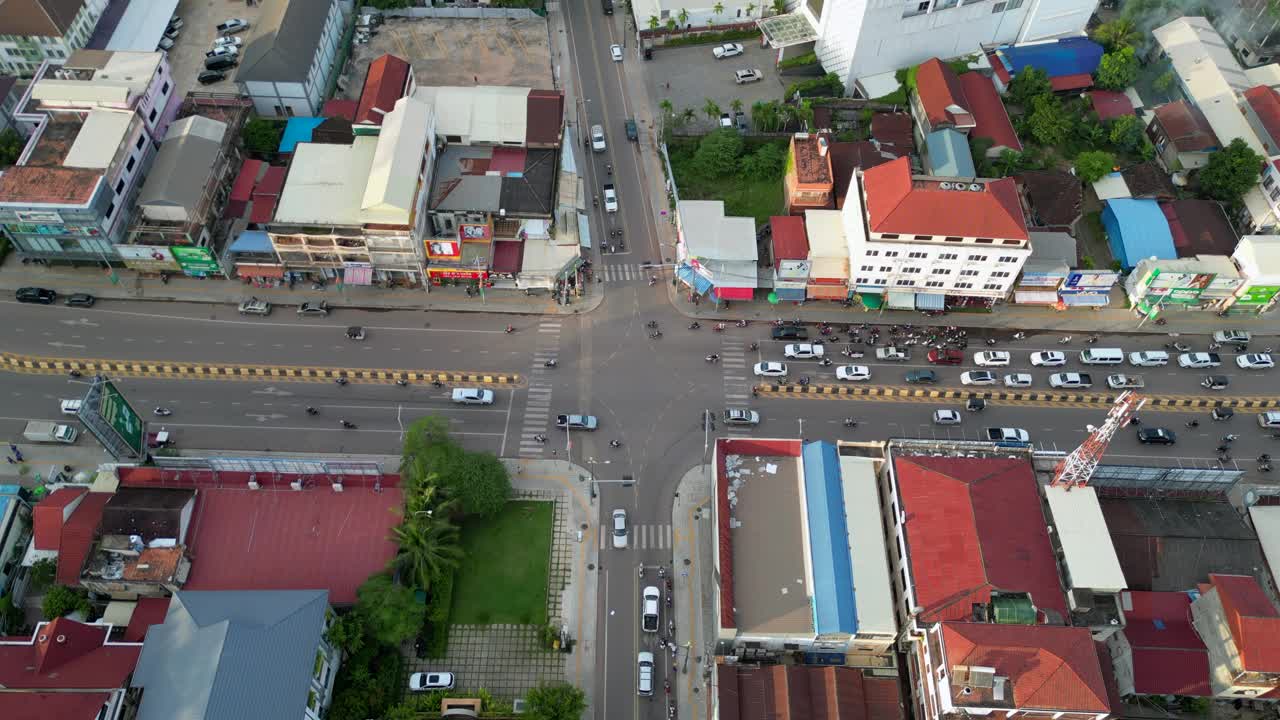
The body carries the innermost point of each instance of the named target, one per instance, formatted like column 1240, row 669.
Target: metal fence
column 1149, row 480
column 457, row 13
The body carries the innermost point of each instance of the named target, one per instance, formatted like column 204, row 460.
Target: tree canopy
column 558, row 701
column 389, row 611
column 1029, row 84
column 1093, row 165
column 1117, row 70
column 1048, row 124
column 1231, row 172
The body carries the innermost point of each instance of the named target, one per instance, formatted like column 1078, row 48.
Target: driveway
column 688, row 76
column 200, row 18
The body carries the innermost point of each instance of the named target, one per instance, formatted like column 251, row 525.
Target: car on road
column 803, row 351
column 597, row 138
column 790, row 332
column 615, row 52
column 770, row 369
column 1149, row 358
column 71, row 407
column 1255, row 361
column 649, row 609
column 922, row 377
column 80, row 300
column 978, row 377
column 946, row 417
column 41, row 296
column 577, row 422
column 1007, row 434
column 310, row 308
column 991, row 358
column 1156, row 436
column 741, row 417
column 1199, row 360
column 1125, row 382
column 1232, row 337
column 1070, row 380
column 234, row 25
column 632, row 133
column 743, row 77
column 644, row 683
column 425, row 681
column 610, row 199
column 1018, row 380
column 1269, row 419
column 1215, row 382
column 853, row 372
column 209, row 77
column 227, row 40
column 726, row 120
column 254, row 306
column 619, row 529
column 472, row 396
column 892, row 354
column 1048, row 358
column 945, row 357
column 726, row 50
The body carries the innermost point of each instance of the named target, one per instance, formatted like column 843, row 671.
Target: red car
column 946, row 357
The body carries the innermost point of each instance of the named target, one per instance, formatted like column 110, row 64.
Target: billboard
column 120, row 416
column 1091, row 279
column 195, row 261
column 108, row 416
column 1258, row 294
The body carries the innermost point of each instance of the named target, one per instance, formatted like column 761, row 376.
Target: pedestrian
column 476, row 78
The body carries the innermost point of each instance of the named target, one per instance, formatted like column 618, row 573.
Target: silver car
column 597, row 138
column 619, row 529
column 946, row 417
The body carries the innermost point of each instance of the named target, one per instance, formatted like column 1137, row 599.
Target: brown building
column 809, row 183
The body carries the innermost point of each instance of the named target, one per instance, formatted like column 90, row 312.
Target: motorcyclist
column 312, row 411
column 614, row 444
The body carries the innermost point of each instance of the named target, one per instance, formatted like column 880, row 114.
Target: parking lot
column 200, row 18
column 688, row 76
column 459, row 52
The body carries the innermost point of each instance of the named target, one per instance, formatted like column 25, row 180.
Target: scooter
column 694, row 325
column 341, row 381
column 347, row 425
column 850, row 423
column 401, row 382
column 713, row 358
column 824, row 362
column 437, row 384
column 509, row 330
column 655, row 334
column 312, row 411
column 163, row 412
column 549, row 363
column 753, row 347
column 615, row 444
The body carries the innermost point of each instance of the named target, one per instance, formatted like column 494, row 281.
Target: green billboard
column 1258, row 295
column 120, row 416
column 194, row 260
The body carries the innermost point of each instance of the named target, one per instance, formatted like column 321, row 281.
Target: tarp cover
column 931, row 301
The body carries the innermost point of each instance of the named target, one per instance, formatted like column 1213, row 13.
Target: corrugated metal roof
column 949, row 154
column 789, row 239
column 283, row 41
column 1136, row 230
column 834, row 609
column 868, row 550
column 392, row 186
column 709, row 235
column 1089, row 555
column 1067, row 56
column 77, row 537
column 180, row 173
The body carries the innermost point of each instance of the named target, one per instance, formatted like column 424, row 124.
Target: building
column 967, row 103
column 139, row 547
column 1201, row 282
column 790, row 257
column 1251, row 29
column 1068, row 62
column 696, row 14
column 715, row 253
column 10, row 92
column 860, row 41
column 926, row 243
column 1239, row 625
column 892, row 134
column 92, row 127
column 837, row 693
column 991, row 120
column 1088, row 564
column 68, row 670
column 1182, row 136
column 290, row 56
column 1136, row 230
column 246, row 654
column 389, row 79
column 1258, row 259
column 140, row 27
column 1199, row 227
column 1053, row 254
column 1158, row 652
column 809, row 180
column 496, row 115
column 828, row 256
column 1261, row 108
column 1051, row 200
column 949, row 155
column 35, row 31
column 15, row 535
column 355, row 212
column 1109, row 104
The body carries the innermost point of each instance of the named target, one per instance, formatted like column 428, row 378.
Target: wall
column 990, row 270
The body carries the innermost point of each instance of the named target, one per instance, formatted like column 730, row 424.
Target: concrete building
column 715, row 253
column 967, row 103
column 1201, row 282
column 809, row 179
column 1258, row 259
column 790, row 257
column 1182, row 136
column 15, row 535
column 290, row 56
column 35, row 31
column 1239, row 625
column 497, row 115
column 828, row 256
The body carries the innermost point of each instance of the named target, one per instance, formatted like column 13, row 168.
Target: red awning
column 242, row 188
column 262, row 271
column 728, row 293
column 828, row 292
column 508, row 257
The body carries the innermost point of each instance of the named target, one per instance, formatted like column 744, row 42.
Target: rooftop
column 1199, row 227
column 326, row 183
column 990, row 119
column 461, row 180
column 949, row 154
column 480, row 114
column 391, row 192
column 1055, row 197
column 386, row 82
column 180, row 175
column 1109, row 104
column 1057, row 58
column 834, row 603
column 50, row 513
column 89, row 77
column 544, row 125
column 59, row 704
column 974, row 526
column 901, row 204
column 1087, row 553
column 78, row 534
column 39, row 18
column 849, row 157
column 797, row 691
column 1136, row 230
column 789, row 240
column 868, row 551
column 1186, row 127
column 1265, row 102
column 893, row 133
column 282, row 44
column 1148, row 180
column 65, row 655
column 708, row 234
column 941, row 95
column 1253, row 619
column 1168, row 656
column 812, row 161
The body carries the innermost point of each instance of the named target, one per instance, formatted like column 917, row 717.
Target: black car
column 790, row 332
column 222, row 62
column 632, row 134
column 1156, row 436
column 919, row 377
column 208, row 77
column 81, row 300
column 43, row 296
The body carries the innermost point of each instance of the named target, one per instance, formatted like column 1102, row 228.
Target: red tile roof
column 1171, row 671
column 789, row 239
column 1048, row 667
column 1265, row 103
column 1064, row 83
column 1254, row 622
column 65, row 654
column 383, row 85
column 897, row 203
column 1186, row 127
column 544, row 119
column 288, row 540
column 893, row 132
column 149, row 611
column 340, row 108
column 46, row 705
column 242, row 188
column 48, row 516
column 828, row 693
column 990, row 118
column 1199, row 227
column 974, row 526
column 1168, row 656
column 942, row 96
column 508, row 256
column 1110, row 104
column 54, row 185
column 78, row 533
column 1001, row 71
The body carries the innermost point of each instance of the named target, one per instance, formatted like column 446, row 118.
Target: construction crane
column 1076, row 468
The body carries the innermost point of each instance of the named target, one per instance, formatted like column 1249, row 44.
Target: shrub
column 262, row 135
column 62, row 600
column 828, row 85
column 799, row 61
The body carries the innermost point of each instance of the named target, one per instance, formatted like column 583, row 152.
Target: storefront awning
column 252, row 241
column 690, row 277
column 828, row 292
column 870, row 290
column 259, row 271
column 727, row 293
column 871, row 302
column 357, row 276
column 507, row 257
column 899, row 300
column 931, row 301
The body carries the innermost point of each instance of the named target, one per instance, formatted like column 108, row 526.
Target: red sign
column 473, row 232
column 460, row 274
column 444, row 248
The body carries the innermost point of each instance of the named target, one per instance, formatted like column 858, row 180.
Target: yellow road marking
column 1181, row 403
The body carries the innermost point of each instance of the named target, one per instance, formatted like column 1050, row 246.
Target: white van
column 472, row 396
column 1102, row 356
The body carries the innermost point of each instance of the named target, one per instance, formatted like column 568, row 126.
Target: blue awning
column 931, row 301
column 252, row 241
column 690, row 277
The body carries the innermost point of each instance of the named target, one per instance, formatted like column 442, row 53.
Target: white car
column 747, row 76
column 991, row 358
column 726, row 120
column 1071, row 380
column 1199, row 360
column 71, row 407
column 770, row 369
column 597, row 138
column 644, row 683
column 227, row 40
column 234, row 25
column 1269, row 419
column 1149, row 358
column 472, row 396
column 1017, row 380
column 615, row 52
column 649, row 609
column 424, row 681
column 892, row 354
column 619, row 529
column 230, row 51
column 1051, row 358
column 853, row 372
column 803, row 351
column 1007, row 434
column 978, row 377
column 1255, row 361
column 726, row 50
column 610, row 199
column 946, row 417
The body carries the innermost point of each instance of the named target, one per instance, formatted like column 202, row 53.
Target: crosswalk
column 536, row 419
column 738, row 381
column 655, row 536
column 624, row 272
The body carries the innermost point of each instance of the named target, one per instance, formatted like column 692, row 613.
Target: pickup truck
column 1070, row 380
column 1125, row 382
column 1003, row 434
column 649, row 612
column 39, row 431
column 610, row 199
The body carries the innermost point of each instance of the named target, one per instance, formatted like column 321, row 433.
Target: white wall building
column 290, row 56
column 32, row 31
column 697, row 13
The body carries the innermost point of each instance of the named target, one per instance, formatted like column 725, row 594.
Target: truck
column 610, row 199
column 1125, row 382
column 48, row 432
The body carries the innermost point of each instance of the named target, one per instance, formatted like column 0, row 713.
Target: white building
column 32, row 31
column 918, row 239
column 857, row 39
column 696, row 13
column 290, row 55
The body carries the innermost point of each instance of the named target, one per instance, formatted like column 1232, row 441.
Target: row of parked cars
column 224, row 53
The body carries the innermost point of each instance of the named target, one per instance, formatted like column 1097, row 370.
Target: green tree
column 43, row 573
column 736, row 105
column 1047, row 122
column 478, row 481
column 711, row 109
column 654, row 22
column 1090, row 133
column 428, row 547
column 1126, row 133
column 1093, row 165
column 10, row 147
column 61, row 600
column 262, row 136
column 1009, row 163
column 1231, row 172
column 717, row 9
column 1117, row 34
column 671, row 23
column 389, row 611
column 346, row 632
column 751, row 8
column 764, row 115
column 1028, row 85
column 766, row 163
column 683, row 15
column 10, row 616
column 1117, row 70
column 779, row 6
column 667, row 108
column 1164, row 82
column 557, row 701
column 717, row 153
column 688, row 115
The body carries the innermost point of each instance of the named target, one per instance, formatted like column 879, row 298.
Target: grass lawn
column 504, row 576
column 743, row 197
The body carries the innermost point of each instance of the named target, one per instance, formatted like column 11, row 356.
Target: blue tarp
column 298, row 130
column 949, row 154
column 1137, row 229
column 693, row 279
column 252, row 241
column 1068, row 56
column 833, row 602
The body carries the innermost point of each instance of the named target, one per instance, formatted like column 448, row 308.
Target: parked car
column 172, row 33
column 726, row 50
column 922, row 377
column 619, row 529
column 223, row 51
column 632, row 134
column 747, row 76
column 615, row 52
column 1199, row 360
column 310, row 308
column 649, row 609
column 726, row 120
column 41, row 296
column 1156, row 436
column 945, row 357
column 1051, row 358
column 740, row 119
column 254, row 306
column 803, row 351
column 166, row 43
column 426, row 681
column 175, row 23
column 1255, row 361
column 853, row 372
column 222, row 62
column 80, row 300
column 227, row 40
column 234, row 25
column 644, row 681
column 790, row 332
column 597, row 138
column 991, row 358
column 208, row 77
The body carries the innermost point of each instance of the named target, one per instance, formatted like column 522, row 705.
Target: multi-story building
column 1252, row 28
column 859, row 39
column 290, row 56
column 1239, row 626
column 809, row 180
column 927, row 242
column 15, row 534
column 967, row 103
column 93, row 126
column 33, row 31
column 69, row 670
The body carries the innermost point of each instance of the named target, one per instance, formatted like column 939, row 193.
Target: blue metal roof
column 693, row 279
column 298, row 130
column 8, row 496
column 1137, row 229
column 1068, row 56
column 833, row 604
column 251, row 241
column 949, row 154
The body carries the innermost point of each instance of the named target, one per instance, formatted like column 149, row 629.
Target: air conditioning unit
column 958, row 186
column 296, row 484
column 944, row 186
column 975, row 186
column 253, row 485
column 337, row 487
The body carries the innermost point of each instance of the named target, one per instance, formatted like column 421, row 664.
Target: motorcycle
column 312, row 411
column 641, row 571
column 694, row 325
column 719, row 327
column 850, row 423
column 1019, row 335
column 753, row 347
column 347, row 425
column 540, row 438
column 655, row 334
column 1093, row 339
column 741, row 323
column 163, row 412
column 509, row 330
column 713, row 358
column 651, row 324
column 341, row 381
column 804, row 380
column 824, row 362
column 991, row 342
column 437, row 384
column 615, row 444
column 1064, row 340
column 549, row 363
column 401, row 382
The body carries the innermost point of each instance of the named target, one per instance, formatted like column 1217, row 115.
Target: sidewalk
column 696, row 623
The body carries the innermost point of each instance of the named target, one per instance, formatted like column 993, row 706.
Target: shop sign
column 444, row 248
column 458, row 274
column 147, row 258
column 41, row 217
column 1102, row 279
column 468, row 232
column 1258, row 294
column 1040, row 280
column 195, row 260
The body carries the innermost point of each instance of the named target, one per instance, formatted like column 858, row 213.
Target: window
column 923, row 7
column 953, row 238
column 1274, row 193
column 906, row 283
column 934, row 283
column 885, row 268
column 942, row 271
column 948, row 256
column 1010, row 242
column 991, row 286
column 977, row 258
column 968, row 273
column 1000, row 274
column 881, row 281
column 141, row 139
column 110, row 209
column 132, row 161
column 964, row 285
column 998, row 7
column 1268, row 181
column 984, row 241
column 923, row 237
column 861, row 281
column 917, row 255
column 891, row 253
column 911, row 270
column 453, row 138
column 868, row 268
column 164, row 88
column 151, row 117
column 889, row 236
column 120, row 186
column 872, row 253
column 1008, row 259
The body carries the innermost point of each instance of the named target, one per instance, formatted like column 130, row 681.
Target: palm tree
column 671, row 23
column 711, row 109
column 666, row 107
column 779, row 6
column 804, row 114
column 751, row 7
column 688, row 115
column 1117, row 34
column 736, row 105
column 718, row 8
column 654, row 22
column 429, row 546
column 683, row 16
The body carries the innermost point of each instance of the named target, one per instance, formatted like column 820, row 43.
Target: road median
column 916, row 394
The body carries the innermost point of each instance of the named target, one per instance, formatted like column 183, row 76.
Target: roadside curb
column 1189, row 402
